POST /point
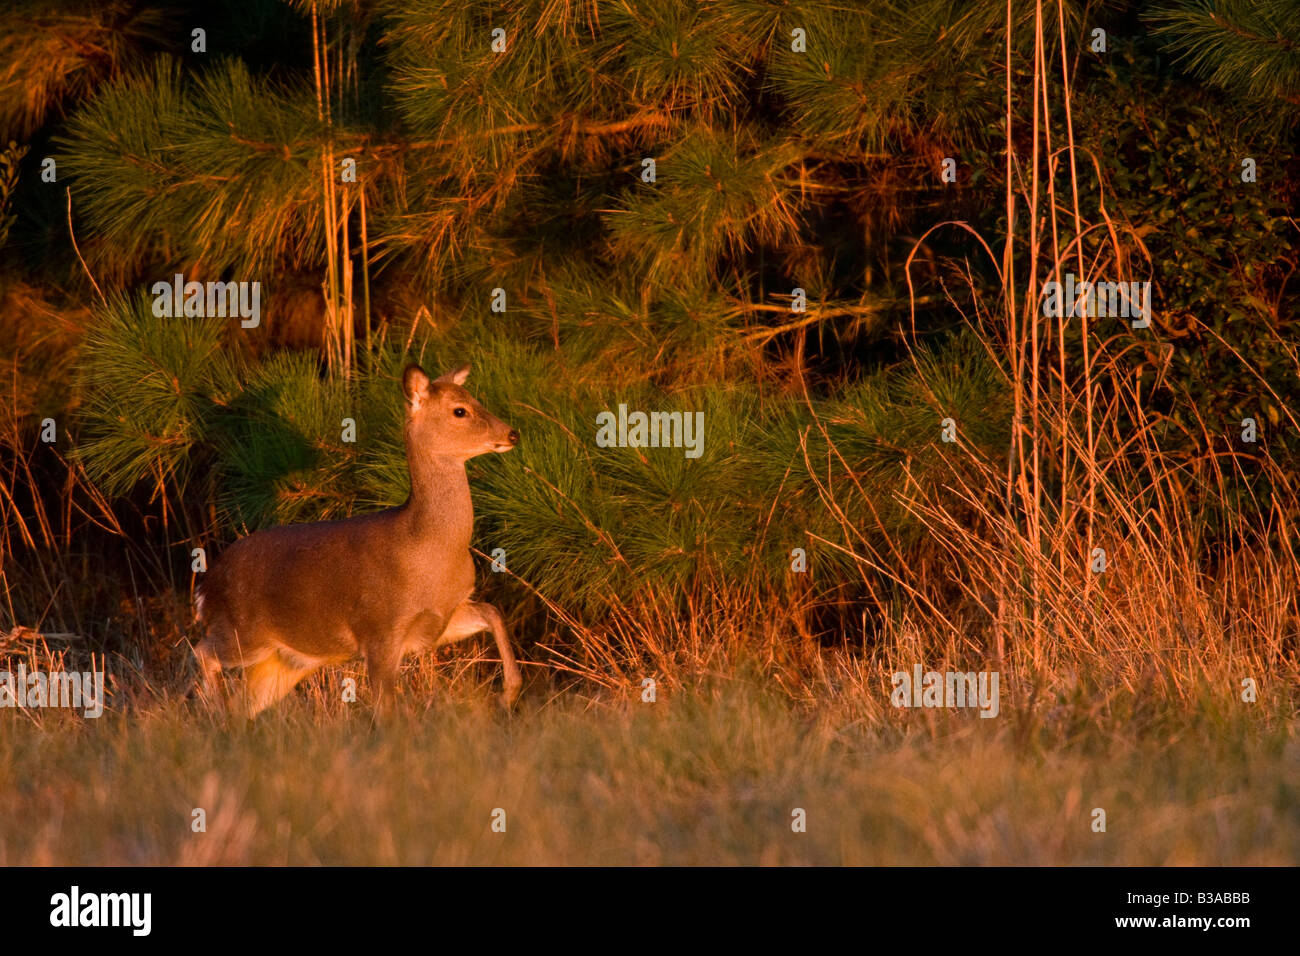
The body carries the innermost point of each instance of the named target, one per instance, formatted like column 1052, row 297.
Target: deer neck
column 440, row 501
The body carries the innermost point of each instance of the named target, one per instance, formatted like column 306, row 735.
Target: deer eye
column 459, row 411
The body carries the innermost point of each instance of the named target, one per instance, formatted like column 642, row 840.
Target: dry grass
column 710, row 775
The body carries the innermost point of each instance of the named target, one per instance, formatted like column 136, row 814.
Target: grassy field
column 707, row 775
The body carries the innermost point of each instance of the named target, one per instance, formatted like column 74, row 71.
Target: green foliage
column 151, row 388
column 1249, row 47
column 721, row 192
column 222, row 170
column 1221, row 251
column 282, row 453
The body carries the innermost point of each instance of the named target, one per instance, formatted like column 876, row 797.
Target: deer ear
column 416, row 385
column 456, row 377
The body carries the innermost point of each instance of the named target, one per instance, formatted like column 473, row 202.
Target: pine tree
column 647, row 184
column 1249, row 47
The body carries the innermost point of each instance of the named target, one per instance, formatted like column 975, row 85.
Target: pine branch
column 815, row 315
column 1249, row 48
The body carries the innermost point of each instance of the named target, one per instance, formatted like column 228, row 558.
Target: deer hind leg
column 210, row 687
column 472, row 617
column 271, row 678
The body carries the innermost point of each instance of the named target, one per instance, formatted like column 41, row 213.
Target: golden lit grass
column 709, row 775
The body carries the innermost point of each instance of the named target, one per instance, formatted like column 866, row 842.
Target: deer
column 285, row 601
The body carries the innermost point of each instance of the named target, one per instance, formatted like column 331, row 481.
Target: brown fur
column 288, row 600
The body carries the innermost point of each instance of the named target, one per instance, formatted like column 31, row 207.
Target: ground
column 713, row 774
